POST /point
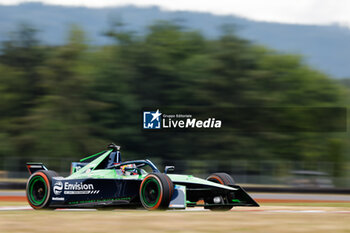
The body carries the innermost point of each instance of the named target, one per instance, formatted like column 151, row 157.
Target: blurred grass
column 13, row 203
column 175, row 221
column 313, row 204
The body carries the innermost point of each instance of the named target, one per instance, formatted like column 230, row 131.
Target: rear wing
column 34, row 167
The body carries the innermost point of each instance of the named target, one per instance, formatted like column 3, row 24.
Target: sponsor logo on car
column 79, row 188
column 57, row 188
column 74, row 188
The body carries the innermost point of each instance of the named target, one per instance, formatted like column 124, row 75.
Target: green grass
column 13, row 203
column 136, row 221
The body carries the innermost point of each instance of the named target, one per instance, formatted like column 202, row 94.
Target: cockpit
column 112, row 160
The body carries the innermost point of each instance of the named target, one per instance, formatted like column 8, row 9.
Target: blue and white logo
column 152, row 120
column 57, row 188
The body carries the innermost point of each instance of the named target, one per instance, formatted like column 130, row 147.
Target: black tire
column 221, row 178
column 156, row 191
column 224, row 179
column 38, row 190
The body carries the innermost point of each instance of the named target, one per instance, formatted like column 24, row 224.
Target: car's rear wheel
column 156, row 191
column 38, row 189
column 224, row 179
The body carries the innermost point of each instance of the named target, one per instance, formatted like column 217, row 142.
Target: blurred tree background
column 72, row 100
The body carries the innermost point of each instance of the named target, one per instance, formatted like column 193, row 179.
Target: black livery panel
column 93, row 192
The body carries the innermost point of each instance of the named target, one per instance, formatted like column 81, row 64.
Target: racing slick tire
column 224, row 179
column 156, row 191
column 38, row 189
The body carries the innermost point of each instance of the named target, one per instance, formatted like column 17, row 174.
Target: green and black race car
column 103, row 180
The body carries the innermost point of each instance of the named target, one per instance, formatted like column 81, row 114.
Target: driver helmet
column 130, row 170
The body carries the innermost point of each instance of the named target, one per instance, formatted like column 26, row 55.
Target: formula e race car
column 103, row 180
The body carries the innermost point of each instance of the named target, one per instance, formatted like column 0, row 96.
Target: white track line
column 6, row 208
column 77, row 210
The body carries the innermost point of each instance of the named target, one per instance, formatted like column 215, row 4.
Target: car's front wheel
column 224, row 179
column 156, row 191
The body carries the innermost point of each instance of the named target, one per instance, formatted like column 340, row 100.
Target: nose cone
column 183, row 179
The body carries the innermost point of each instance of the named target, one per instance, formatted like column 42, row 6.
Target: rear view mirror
column 169, row 169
